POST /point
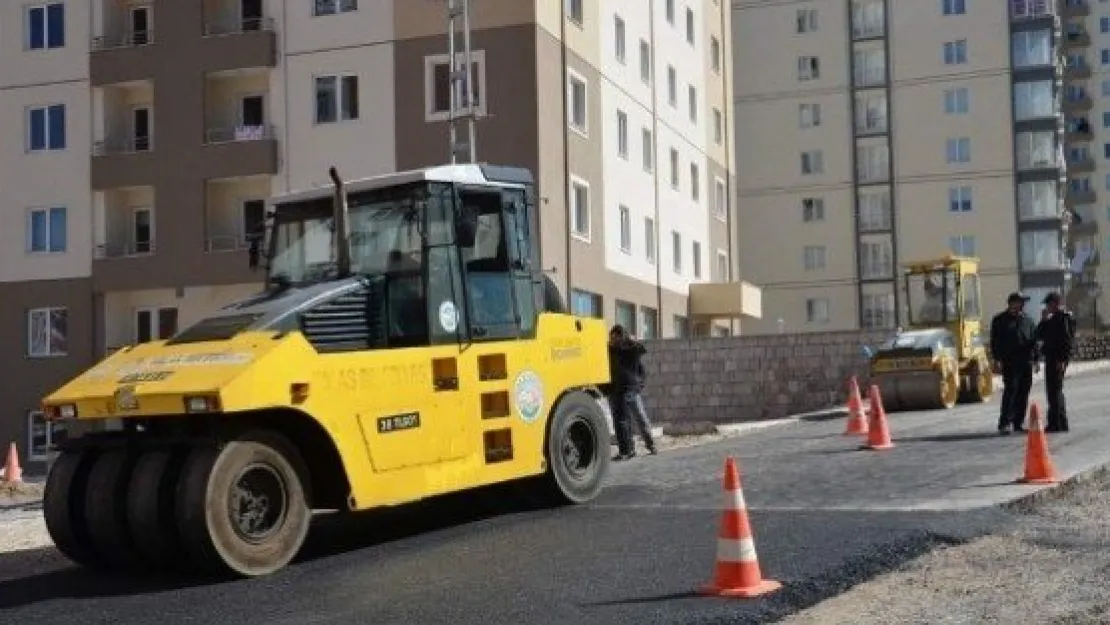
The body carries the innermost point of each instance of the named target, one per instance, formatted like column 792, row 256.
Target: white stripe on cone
column 739, row 550
column 734, row 500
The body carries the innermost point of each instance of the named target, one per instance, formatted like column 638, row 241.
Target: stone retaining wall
column 752, row 378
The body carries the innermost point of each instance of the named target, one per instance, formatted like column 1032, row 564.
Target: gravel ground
column 1049, row 566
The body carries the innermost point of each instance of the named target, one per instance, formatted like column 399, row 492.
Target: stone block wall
column 752, row 378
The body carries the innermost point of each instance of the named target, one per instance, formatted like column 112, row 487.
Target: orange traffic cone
column 12, row 471
column 737, row 571
column 1039, row 468
column 857, row 420
column 878, row 435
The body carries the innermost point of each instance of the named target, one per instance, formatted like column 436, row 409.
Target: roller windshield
column 385, row 236
column 932, row 297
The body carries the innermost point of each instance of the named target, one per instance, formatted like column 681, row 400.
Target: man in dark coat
column 623, row 391
column 1056, row 332
column 1014, row 352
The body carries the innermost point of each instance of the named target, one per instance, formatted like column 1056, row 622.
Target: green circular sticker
column 528, row 393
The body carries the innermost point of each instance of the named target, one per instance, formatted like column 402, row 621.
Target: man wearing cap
column 1056, row 331
column 1014, row 352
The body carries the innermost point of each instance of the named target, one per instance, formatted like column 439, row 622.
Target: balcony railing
column 124, row 250
column 1031, row 9
column 132, row 39
column 871, row 124
column 872, row 175
column 870, row 76
column 225, row 243
column 874, row 222
column 237, row 26
column 232, row 134
column 122, row 145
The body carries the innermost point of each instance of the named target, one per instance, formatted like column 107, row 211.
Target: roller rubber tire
column 203, row 505
column 580, row 412
column 63, row 507
column 106, row 510
column 150, row 508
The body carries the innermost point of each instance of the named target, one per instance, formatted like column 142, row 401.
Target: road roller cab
column 938, row 359
column 407, row 344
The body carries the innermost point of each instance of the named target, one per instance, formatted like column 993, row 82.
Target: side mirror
column 466, row 226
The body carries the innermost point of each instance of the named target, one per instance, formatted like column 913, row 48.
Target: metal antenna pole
column 461, row 81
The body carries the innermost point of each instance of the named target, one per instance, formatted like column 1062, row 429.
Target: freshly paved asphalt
column 825, row 515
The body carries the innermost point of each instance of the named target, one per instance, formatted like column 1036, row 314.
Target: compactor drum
column 407, row 344
column 939, row 359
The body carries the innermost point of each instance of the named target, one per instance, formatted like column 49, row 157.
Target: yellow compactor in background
column 939, row 358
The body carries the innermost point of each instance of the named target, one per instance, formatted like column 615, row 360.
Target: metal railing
column 238, row 25
column 225, row 243
column 116, row 41
column 123, row 145
column 124, row 250
column 232, row 134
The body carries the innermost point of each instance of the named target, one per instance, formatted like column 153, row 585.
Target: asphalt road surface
column 825, row 514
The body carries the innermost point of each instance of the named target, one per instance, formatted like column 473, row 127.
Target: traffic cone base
column 1038, row 480
column 878, row 434
column 761, row 588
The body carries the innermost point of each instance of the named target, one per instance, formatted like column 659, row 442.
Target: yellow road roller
column 407, row 344
column 938, row 359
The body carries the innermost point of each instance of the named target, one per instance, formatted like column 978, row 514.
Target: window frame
column 723, row 276
column 645, row 61
column 720, row 199
column 48, row 136
column 48, row 312
column 676, row 251
column 961, row 199
column 341, row 7
column 814, row 257
column 647, row 146
column 959, row 53
column 44, row 7
column 952, row 152
column 695, row 182
column 340, row 96
column 624, row 215
column 812, row 309
column 575, row 183
column 574, row 79
column 695, row 255
column 620, row 39
column 431, row 62
column 813, row 209
column 622, row 134
column 718, row 126
column 650, row 235
column 957, row 101
column 47, row 212
column 715, row 54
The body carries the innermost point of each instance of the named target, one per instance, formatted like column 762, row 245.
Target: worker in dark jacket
column 623, row 391
column 1014, row 352
column 1056, row 331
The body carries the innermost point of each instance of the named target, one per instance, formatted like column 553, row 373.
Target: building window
column 47, row 332
column 1038, row 200
column 46, row 230
column 878, row 311
column 813, row 162
column 622, row 134
column 649, row 240
column 813, row 257
column 954, row 7
column 1040, row 249
column 813, row 209
column 648, row 147
column 720, row 199
column 809, row 68
column 46, row 128
column 695, row 182
column 874, row 210
column 956, row 101
column 672, row 86
column 670, row 12
column 958, row 150
column 873, row 162
column 955, row 52
column 580, row 208
column 645, row 62
column 806, row 20
column 1032, row 8
column 1104, row 24
column 1036, row 150
column 689, row 26
column 676, row 251
column 649, row 323
column 1033, row 48
column 962, row 245
column 626, row 229
column 42, row 435
column 718, row 127
column 586, row 304
column 576, row 92
column 809, row 115
column 574, row 11
column 876, row 260
column 817, row 310
column 155, row 324
column 681, row 326
column 333, row 7
column 1034, row 100
column 695, row 251
column 674, row 169
column 626, row 316
column 618, row 38
column 959, row 199
column 692, row 96
column 715, row 54
column 722, row 266
column 336, row 99
column 46, row 26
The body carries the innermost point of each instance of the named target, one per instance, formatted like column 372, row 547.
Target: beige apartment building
column 872, row 133
column 139, row 140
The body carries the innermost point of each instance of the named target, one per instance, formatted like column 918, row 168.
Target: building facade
column 871, row 133
column 139, row 141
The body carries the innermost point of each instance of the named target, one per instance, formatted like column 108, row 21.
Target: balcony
column 121, row 44
column 238, row 35
column 1079, row 197
column 123, row 221
column 1077, row 71
column 1021, row 10
column 238, row 140
column 123, row 135
column 1077, row 104
column 1079, row 132
column 868, row 19
column 1081, row 164
column 1076, row 39
column 1083, row 221
column 234, row 209
column 725, row 300
column 1074, row 8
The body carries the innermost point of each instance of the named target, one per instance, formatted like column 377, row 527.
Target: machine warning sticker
column 448, row 316
column 528, row 394
column 394, row 423
column 144, row 376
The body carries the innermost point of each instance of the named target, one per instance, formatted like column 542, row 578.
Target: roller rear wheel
column 63, row 507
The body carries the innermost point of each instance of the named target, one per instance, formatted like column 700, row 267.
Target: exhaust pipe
column 342, row 229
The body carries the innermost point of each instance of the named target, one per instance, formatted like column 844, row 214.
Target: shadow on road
column 332, row 534
column 674, row 596
column 947, row 438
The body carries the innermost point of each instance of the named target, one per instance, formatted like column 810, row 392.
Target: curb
column 1052, row 492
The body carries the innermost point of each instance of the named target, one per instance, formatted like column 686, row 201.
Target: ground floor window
column 42, row 435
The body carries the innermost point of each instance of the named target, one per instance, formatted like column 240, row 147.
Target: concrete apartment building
column 139, row 140
column 876, row 132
